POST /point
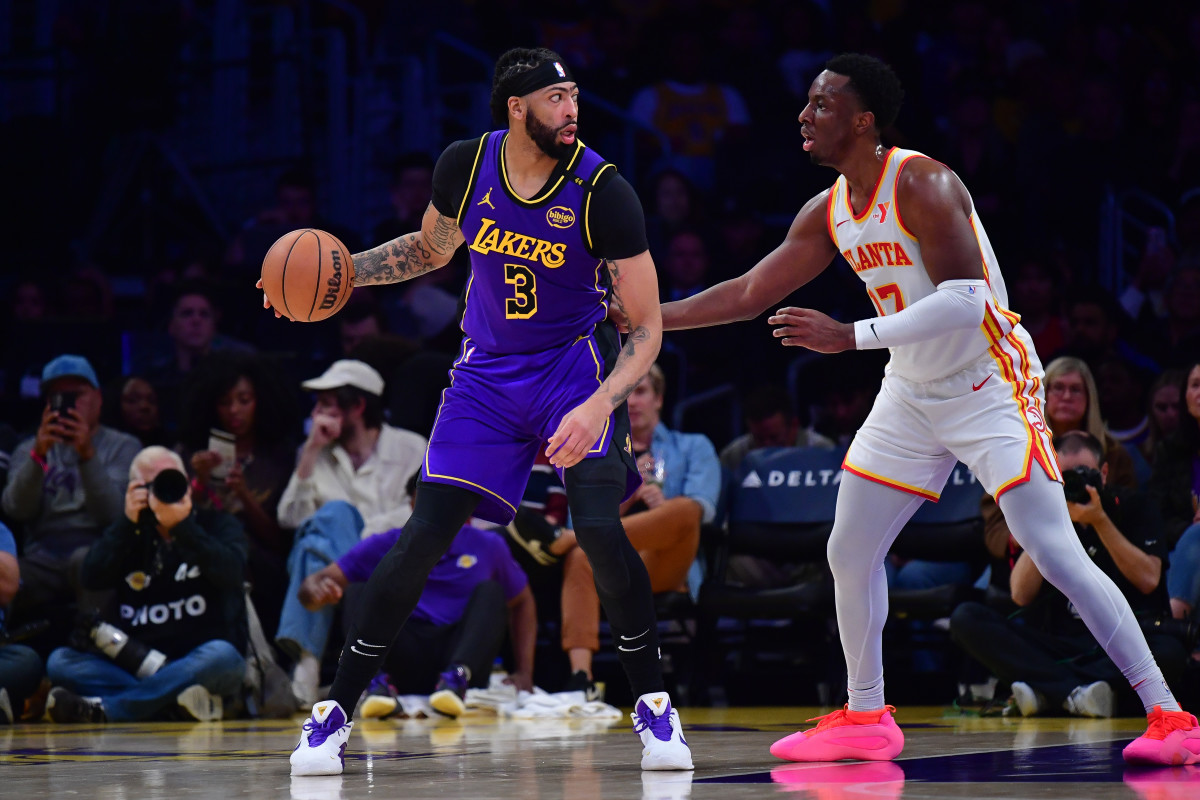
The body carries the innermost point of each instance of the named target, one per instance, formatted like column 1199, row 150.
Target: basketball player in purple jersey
column 555, row 235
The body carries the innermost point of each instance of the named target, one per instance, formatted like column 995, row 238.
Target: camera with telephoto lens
column 129, row 654
column 1076, row 481
column 169, row 486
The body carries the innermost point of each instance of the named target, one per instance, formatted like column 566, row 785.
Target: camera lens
column 169, row 486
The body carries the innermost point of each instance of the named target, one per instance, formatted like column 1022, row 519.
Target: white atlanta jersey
column 970, row 395
column 888, row 259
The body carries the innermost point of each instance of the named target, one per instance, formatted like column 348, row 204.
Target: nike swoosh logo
column 376, row 646
column 840, row 224
column 873, row 331
column 977, row 387
column 630, row 649
column 354, row 649
column 631, row 638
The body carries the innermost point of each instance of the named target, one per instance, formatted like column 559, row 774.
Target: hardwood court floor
column 947, row 756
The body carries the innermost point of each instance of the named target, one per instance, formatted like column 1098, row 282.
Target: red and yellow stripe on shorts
column 1012, row 356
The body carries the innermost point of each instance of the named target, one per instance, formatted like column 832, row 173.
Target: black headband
column 545, row 74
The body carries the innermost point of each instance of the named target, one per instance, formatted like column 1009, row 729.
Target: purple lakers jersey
column 533, row 283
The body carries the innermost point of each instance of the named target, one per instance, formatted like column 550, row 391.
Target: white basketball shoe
column 657, row 723
column 322, row 747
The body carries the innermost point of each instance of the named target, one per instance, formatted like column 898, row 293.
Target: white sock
column 1146, row 679
column 867, row 696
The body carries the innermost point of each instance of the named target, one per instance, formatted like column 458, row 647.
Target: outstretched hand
column 804, row 327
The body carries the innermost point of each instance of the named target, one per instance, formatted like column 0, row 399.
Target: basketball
column 307, row 275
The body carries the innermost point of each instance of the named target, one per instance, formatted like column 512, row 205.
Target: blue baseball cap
column 70, row 366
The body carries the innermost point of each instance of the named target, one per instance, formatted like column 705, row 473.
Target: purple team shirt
column 474, row 556
column 533, row 284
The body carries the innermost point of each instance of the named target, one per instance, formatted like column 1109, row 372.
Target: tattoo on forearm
column 637, row 338
column 395, row 261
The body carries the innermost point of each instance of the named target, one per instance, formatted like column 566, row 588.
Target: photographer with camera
column 178, row 580
column 1044, row 650
column 64, row 486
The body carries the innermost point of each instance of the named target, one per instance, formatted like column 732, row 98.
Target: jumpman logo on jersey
column 487, row 198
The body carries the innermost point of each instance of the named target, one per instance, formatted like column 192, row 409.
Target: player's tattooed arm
column 634, row 299
column 410, row 255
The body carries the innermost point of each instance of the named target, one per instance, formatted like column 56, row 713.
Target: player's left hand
column 1089, row 513
column 804, row 327
column 577, row 432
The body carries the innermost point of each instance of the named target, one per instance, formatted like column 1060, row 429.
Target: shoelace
column 659, row 726
column 837, row 718
column 318, row 732
column 1162, row 723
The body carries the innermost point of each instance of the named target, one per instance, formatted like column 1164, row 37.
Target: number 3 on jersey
column 524, row 304
column 883, row 293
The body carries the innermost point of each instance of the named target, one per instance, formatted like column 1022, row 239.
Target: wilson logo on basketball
column 334, row 284
column 560, row 217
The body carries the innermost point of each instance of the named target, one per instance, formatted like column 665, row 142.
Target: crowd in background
column 1041, row 108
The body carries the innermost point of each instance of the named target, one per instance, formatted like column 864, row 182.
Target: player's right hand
column 266, row 302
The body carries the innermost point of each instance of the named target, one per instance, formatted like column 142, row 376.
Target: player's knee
column 844, row 559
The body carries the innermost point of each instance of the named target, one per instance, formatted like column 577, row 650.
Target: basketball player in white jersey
column 963, row 383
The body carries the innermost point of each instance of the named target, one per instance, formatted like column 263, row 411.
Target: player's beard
column 545, row 137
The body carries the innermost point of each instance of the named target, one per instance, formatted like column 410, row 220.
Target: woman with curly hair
column 242, row 395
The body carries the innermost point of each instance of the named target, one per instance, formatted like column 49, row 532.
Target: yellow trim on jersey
column 579, row 148
column 599, row 380
column 600, row 289
column 904, row 487
column 829, row 224
column 466, row 298
column 462, row 207
column 896, row 200
column 1024, row 389
column 462, row 359
column 874, row 191
column 587, row 205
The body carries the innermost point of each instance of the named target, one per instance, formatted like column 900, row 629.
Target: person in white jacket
column 349, row 483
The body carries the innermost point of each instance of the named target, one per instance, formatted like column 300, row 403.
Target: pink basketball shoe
column 845, row 734
column 1173, row 737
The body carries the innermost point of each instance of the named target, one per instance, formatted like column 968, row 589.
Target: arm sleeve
column 703, row 480
column 452, row 174
column 956, row 304
column 616, row 221
column 217, row 544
